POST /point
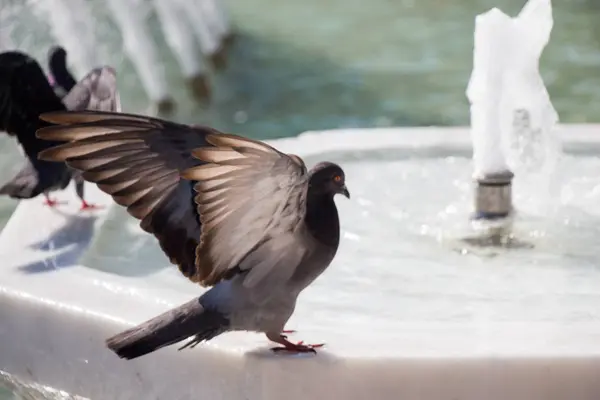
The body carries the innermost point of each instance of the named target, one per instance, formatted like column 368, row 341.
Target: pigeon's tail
column 18, row 189
column 185, row 321
column 24, row 185
column 33, row 180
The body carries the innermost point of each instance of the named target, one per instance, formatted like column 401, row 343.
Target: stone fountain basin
column 407, row 310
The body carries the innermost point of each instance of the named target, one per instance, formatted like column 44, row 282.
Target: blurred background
column 305, row 65
column 325, row 64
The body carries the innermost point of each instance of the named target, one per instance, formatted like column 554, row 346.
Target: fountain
column 212, row 34
column 217, row 27
column 407, row 309
column 178, row 33
column 217, row 17
column 7, row 17
column 183, row 22
column 82, row 48
column 505, row 91
column 138, row 45
column 493, row 192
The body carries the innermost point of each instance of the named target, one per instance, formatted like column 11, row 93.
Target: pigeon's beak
column 345, row 192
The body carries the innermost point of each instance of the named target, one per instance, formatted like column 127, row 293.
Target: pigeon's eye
column 337, row 178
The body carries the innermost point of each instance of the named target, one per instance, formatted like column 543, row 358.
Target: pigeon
column 234, row 214
column 25, row 93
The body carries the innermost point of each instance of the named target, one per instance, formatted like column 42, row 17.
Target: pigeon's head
column 57, row 56
column 328, row 178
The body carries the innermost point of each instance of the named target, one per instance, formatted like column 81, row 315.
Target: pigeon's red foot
column 299, row 347
column 87, row 206
column 288, row 331
column 288, row 346
column 52, row 203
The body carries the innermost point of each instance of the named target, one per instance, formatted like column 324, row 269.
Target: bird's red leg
column 288, row 331
column 49, row 202
column 87, row 206
column 288, row 346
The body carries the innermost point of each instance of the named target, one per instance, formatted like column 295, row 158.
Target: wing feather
column 138, row 161
column 96, row 91
column 243, row 190
column 218, row 204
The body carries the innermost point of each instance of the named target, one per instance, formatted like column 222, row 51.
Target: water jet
column 505, row 90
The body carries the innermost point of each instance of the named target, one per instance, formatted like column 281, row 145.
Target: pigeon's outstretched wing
column 138, row 161
column 250, row 197
column 252, row 202
column 96, row 91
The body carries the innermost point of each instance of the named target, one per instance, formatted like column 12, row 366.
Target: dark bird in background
column 232, row 213
column 25, row 93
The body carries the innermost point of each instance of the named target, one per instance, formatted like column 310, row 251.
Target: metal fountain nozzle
column 493, row 216
column 493, row 196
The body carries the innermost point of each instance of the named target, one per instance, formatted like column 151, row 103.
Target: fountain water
column 506, row 92
column 528, row 118
column 216, row 16
column 211, row 32
column 7, row 19
column 66, row 17
column 138, row 45
column 75, row 27
column 179, row 36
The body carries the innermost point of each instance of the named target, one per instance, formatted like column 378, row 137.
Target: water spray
column 492, row 218
column 505, row 86
column 130, row 17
